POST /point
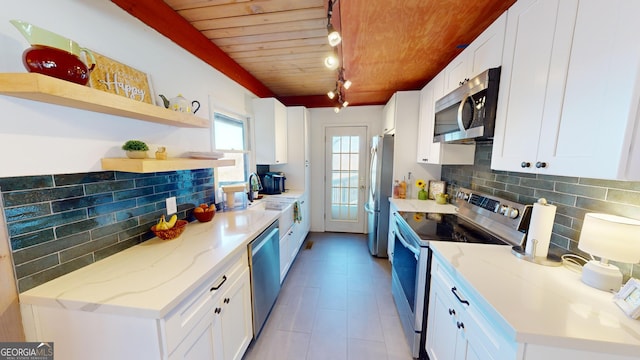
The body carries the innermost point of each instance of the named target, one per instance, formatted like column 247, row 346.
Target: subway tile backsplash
column 59, row 223
column 573, row 196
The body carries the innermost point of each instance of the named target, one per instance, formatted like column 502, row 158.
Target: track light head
column 347, row 84
column 333, row 36
column 331, row 62
column 331, row 94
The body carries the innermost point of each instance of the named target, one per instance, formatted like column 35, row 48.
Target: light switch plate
column 172, row 207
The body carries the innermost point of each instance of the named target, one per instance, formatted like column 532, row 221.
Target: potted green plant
column 135, row 149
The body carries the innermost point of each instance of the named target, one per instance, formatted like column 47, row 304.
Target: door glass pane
column 344, row 177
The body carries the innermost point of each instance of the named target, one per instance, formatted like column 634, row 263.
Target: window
column 229, row 136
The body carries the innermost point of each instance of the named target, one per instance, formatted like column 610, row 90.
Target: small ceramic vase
column 137, row 154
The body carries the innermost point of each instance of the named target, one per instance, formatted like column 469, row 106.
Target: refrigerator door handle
column 368, row 209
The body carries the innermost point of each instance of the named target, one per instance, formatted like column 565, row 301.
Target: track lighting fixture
column 332, row 62
column 339, row 92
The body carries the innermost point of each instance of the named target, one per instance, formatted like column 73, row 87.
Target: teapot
column 442, row 198
column 179, row 103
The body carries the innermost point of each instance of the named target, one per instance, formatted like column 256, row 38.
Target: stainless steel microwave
column 468, row 113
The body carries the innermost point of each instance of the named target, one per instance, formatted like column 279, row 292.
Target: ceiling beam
column 159, row 16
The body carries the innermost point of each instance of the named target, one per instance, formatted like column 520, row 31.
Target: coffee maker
column 272, row 181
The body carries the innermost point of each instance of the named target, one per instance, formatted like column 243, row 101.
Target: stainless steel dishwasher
column 264, row 262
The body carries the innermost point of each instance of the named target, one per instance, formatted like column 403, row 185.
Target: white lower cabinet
column 224, row 333
column 457, row 328
column 463, row 326
column 292, row 235
column 213, row 322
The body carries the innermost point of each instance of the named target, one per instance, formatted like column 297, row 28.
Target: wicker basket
column 172, row 233
column 205, row 216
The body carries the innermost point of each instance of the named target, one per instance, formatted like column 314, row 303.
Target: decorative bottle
column 396, row 189
column 402, row 191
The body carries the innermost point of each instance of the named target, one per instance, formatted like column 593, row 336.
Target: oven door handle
column 414, row 250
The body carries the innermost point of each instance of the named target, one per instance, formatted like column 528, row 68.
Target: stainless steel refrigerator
column 380, row 189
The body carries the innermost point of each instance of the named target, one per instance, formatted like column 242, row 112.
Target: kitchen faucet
column 254, row 185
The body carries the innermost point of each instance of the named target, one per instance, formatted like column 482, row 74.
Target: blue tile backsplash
column 59, row 223
column 573, row 196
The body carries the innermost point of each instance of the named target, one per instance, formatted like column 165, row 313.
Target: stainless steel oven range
column 480, row 218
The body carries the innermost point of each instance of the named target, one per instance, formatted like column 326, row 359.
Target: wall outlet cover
column 172, row 207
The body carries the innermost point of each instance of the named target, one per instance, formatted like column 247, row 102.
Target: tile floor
column 335, row 304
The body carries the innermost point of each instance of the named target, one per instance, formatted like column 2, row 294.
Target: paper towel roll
column 542, row 218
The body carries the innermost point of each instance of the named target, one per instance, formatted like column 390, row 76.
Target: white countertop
column 151, row 278
column 543, row 305
column 426, row 206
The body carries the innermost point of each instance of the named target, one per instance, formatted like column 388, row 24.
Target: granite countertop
column 542, row 305
column 149, row 279
column 426, row 206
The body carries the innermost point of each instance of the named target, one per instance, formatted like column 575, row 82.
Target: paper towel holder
column 549, row 260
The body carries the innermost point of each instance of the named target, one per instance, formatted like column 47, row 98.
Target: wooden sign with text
column 117, row 78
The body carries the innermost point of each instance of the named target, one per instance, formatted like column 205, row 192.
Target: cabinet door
column 389, row 116
column 270, row 120
column 442, row 331
column 280, row 134
column 425, row 123
column 536, row 53
column 456, row 72
column 284, row 256
column 485, row 51
column 592, row 136
column 200, row 343
column 235, row 319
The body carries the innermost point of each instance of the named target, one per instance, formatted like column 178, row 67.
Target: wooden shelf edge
column 153, row 165
column 38, row 87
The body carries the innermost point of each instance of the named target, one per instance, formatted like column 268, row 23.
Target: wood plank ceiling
column 277, row 47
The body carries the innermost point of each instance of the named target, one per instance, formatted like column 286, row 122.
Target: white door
column 345, row 178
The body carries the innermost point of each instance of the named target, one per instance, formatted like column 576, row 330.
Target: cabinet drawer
column 203, row 300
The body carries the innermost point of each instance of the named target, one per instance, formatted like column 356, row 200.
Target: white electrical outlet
column 172, row 207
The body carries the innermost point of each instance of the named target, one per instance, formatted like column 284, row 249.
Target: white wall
column 369, row 116
column 405, row 147
column 38, row 138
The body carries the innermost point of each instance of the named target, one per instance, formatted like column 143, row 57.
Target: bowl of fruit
column 204, row 212
column 168, row 230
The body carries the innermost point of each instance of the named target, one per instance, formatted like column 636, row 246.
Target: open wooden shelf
column 48, row 89
column 153, row 165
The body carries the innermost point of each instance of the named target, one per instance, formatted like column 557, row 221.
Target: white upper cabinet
column 389, row 116
column 569, row 90
column 270, row 131
column 483, row 53
column 429, row 152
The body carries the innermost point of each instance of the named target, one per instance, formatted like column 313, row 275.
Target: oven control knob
column 514, row 213
column 504, row 210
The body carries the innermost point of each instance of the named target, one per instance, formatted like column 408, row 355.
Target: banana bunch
column 166, row 225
